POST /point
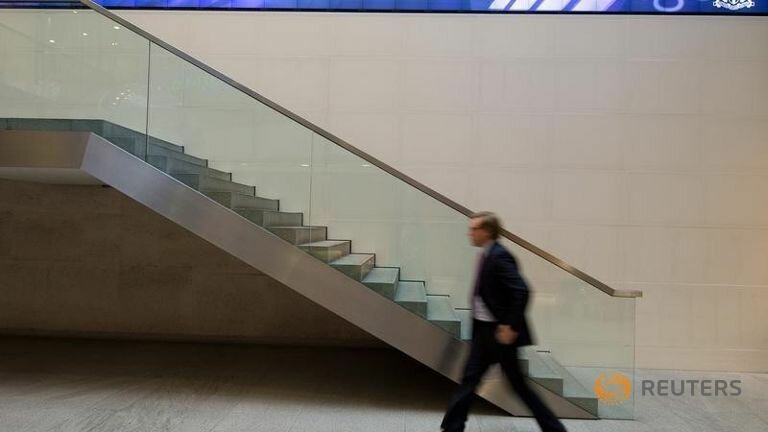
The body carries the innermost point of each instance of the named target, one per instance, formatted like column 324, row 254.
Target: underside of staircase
column 232, row 216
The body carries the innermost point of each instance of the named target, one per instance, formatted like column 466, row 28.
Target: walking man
column 499, row 299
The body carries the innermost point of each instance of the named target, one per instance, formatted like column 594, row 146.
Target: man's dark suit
column 505, row 294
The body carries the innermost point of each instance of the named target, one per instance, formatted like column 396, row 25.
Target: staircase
column 194, row 172
column 122, row 72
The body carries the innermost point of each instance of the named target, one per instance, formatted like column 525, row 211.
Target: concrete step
column 328, row 250
column 172, row 165
column 440, row 312
column 38, row 124
column 300, row 234
column 165, row 144
column 105, row 129
column 238, row 200
column 268, row 218
column 155, row 150
column 100, row 127
column 131, row 140
column 130, row 144
column 573, row 390
column 135, row 142
column 206, row 183
column 109, row 129
column 383, row 280
column 412, row 295
column 465, row 315
column 540, row 372
column 356, row 266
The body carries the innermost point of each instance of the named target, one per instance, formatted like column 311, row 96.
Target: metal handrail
column 360, row 153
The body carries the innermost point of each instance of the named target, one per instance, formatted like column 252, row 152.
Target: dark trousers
column 484, row 353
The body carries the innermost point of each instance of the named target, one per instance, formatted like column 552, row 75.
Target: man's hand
column 505, row 335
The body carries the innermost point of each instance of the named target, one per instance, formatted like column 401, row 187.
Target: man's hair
column 489, row 222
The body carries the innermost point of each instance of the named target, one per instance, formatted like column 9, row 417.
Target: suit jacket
column 505, row 292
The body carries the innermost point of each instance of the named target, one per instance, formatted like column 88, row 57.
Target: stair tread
column 386, row 275
column 207, row 177
column 571, row 386
column 352, row 259
column 411, row 291
column 240, row 194
column 249, row 209
column 537, row 368
column 169, row 145
column 262, row 216
column 465, row 315
column 324, row 243
column 173, row 150
column 440, row 308
column 155, row 150
column 207, row 181
column 240, row 200
column 175, row 166
column 295, row 227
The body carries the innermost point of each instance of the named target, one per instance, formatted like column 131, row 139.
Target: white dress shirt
column 479, row 309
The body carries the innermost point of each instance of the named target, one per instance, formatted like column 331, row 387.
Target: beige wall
column 85, row 260
column 634, row 147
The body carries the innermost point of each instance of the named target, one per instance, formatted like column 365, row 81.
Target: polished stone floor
column 49, row 385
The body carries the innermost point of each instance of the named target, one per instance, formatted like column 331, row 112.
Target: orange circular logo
column 613, row 389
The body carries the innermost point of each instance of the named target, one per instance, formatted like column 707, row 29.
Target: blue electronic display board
column 704, row 7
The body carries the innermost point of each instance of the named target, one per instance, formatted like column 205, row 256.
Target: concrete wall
column 635, row 147
column 85, row 260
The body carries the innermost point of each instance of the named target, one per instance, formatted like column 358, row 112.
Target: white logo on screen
column 734, row 4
